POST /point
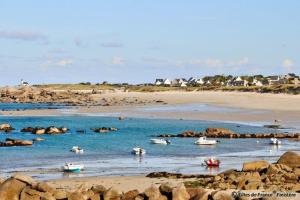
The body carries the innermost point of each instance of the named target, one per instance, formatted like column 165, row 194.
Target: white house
column 257, row 82
column 237, row 81
column 167, row 82
column 159, row 81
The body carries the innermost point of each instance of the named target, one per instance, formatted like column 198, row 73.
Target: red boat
column 212, row 162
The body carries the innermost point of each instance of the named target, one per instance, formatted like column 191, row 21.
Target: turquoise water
column 27, row 106
column 109, row 154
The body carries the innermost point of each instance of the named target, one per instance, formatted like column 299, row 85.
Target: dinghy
column 70, row 167
column 275, row 141
column 204, row 141
column 160, row 141
column 77, row 149
column 212, row 162
column 138, row 151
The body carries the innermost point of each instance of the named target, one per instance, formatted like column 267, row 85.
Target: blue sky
column 69, row 41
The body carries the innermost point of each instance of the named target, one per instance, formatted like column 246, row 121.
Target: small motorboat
column 275, row 141
column 70, row 167
column 204, row 141
column 212, row 162
column 160, row 141
column 76, row 149
column 138, row 151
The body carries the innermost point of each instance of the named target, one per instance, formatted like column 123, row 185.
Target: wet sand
column 250, row 107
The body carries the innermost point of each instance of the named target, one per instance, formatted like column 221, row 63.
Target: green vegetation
column 286, row 88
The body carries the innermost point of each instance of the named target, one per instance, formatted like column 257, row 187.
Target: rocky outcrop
column 9, row 142
column 104, row 129
column 291, row 159
column 218, row 133
column 255, row 166
column 6, row 128
column 51, row 130
column 225, row 133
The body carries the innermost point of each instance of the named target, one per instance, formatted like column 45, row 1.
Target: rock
column 111, row 194
column 180, row 193
column 255, row 166
column 166, row 189
column 39, row 131
column 27, row 129
column 9, row 142
column 152, row 193
column 95, row 197
column 104, row 129
column 88, row 194
column 196, row 193
column 44, row 187
column 98, row 189
column 60, row 195
column 53, row 130
column 11, row 189
column 290, row 158
column 222, row 195
column 130, row 195
column 6, row 127
column 278, row 169
column 218, row 132
column 75, row 196
column 30, row 194
column 24, row 178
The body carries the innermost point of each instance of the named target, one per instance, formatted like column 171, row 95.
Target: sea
column 109, row 154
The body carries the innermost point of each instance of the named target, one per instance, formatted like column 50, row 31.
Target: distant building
column 24, row 83
column 167, row 82
column 237, row 81
column 159, row 81
column 276, row 80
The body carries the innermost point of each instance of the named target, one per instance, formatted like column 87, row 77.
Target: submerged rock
column 15, row 142
column 6, row 127
column 104, row 129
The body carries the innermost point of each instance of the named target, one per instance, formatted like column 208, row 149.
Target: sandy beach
column 121, row 183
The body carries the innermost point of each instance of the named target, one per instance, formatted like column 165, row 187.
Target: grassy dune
column 287, row 89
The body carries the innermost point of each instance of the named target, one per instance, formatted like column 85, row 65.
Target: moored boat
column 70, row 167
column 138, row 151
column 212, row 162
column 77, row 149
column 204, row 141
column 160, row 141
column 275, row 141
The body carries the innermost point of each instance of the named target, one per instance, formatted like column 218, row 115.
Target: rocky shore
column 280, row 180
column 225, row 133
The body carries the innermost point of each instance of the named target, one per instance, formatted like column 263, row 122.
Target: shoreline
column 242, row 106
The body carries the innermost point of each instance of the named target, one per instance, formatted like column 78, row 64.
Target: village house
column 167, row 82
column 159, row 82
column 237, row 81
column 276, row 80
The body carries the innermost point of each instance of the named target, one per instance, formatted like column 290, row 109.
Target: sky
column 137, row 41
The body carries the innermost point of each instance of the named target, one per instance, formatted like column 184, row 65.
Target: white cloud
column 64, row 62
column 116, row 60
column 288, row 64
column 22, row 35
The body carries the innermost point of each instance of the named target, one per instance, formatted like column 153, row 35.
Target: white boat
column 138, row 151
column 70, row 167
column 159, row 141
column 275, row 141
column 77, row 149
column 204, row 141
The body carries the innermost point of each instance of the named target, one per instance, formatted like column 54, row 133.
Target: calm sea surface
column 109, row 154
